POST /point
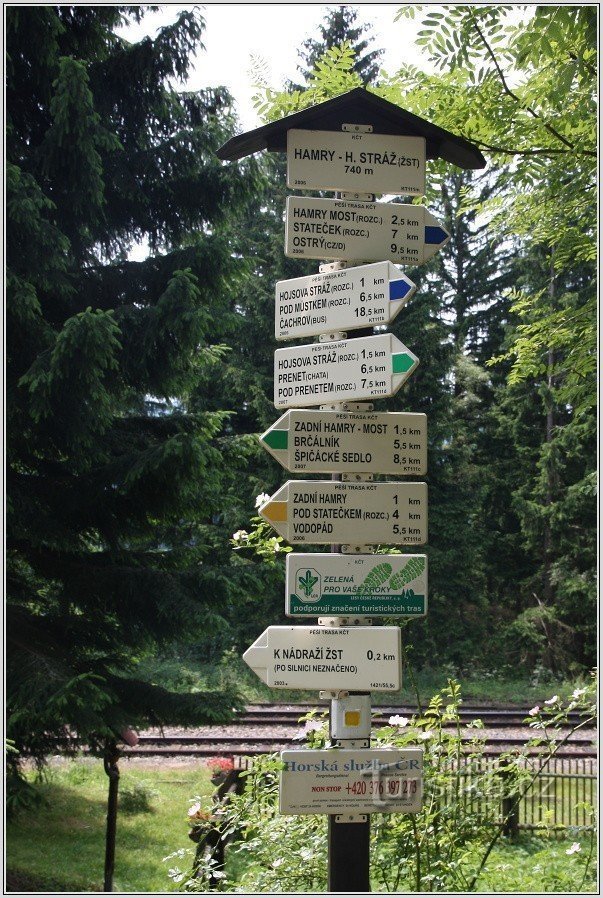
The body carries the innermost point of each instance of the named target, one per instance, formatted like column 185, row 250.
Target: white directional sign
column 373, row 585
column 326, row 511
column 344, row 780
column 369, row 163
column 349, row 229
column 345, row 370
column 363, row 658
column 363, row 296
column 339, row 442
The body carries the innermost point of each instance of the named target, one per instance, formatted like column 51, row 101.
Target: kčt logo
column 308, row 582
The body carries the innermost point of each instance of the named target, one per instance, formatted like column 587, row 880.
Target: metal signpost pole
column 342, row 656
column 348, row 848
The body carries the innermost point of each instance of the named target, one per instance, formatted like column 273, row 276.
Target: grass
column 61, row 846
column 534, row 865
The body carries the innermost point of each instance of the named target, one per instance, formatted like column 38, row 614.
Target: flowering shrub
column 198, row 814
column 449, row 845
column 260, row 540
column 219, row 765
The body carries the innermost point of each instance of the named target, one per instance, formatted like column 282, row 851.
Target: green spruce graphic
column 377, row 575
column 411, row 570
column 307, row 583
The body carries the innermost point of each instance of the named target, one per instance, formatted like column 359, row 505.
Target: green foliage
column 339, row 25
column 137, row 797
column 116, row 474
column 449, row 845
column 525, row 92
column 333, row 75
column 59, row 845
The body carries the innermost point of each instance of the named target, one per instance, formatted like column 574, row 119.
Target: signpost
column 327, row 658
column 325, row 511
column 336, row 160
column 374, row 585
column 348, row 299
column 329, row 442
column 336, row 781
column 349, row 229
column 335, row 145
column 345, row 370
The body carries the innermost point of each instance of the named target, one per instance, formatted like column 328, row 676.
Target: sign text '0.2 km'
column 327, row 658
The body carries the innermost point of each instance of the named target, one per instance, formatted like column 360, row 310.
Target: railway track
column 268, row 728
column 275, row 715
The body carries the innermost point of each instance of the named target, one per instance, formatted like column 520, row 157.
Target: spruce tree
column 114, row 480
column 339, row 25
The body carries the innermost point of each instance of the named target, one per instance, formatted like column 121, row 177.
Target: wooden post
column 110, row 760
column 510, row 803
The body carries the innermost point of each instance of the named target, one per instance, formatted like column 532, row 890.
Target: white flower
column 194, row 809
column 551, row 701
column 534, row 711
column 261, row 499
column 426, row 735
column 311, row 726
column 575, row 848
column 240, row 536
column 397, row 721
column 578, row 692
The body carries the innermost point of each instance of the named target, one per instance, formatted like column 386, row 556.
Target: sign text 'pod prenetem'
column 320, row 373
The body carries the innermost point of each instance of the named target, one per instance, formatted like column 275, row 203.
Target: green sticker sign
column 373, row 585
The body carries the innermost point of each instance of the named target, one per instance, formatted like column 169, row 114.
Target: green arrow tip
column 401, row 362
column 277, row 439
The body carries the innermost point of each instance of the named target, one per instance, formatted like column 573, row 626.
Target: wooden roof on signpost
column 357, row 107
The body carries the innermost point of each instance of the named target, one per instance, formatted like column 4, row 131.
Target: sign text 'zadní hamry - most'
column 327, row 442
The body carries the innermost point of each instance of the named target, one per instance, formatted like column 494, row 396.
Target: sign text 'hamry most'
column 352, row 230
